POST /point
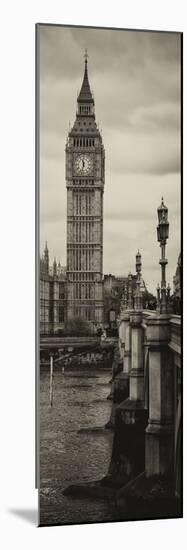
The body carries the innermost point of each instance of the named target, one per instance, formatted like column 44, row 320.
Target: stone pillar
column 120, row 387
column 160, row 429
column 127, row 342
column 137, row 351
column 121, row 333
column 128, row 454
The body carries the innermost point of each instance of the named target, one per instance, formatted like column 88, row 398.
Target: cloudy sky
column 135, row 78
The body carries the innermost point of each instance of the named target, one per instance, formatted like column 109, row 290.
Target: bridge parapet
column 175, row 328
column 154, row 354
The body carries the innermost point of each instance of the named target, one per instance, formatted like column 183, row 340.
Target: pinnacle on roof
column 46, row 251
column 162, row 206
column 85, row 94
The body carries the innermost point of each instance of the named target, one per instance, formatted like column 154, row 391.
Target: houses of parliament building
column 53, row 296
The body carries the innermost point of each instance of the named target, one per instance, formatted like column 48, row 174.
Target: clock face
column 83, row 164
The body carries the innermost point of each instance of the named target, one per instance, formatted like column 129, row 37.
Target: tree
column 77, row 327
column 149, row 300
column 175, row 304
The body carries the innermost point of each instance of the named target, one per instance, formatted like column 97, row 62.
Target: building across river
column 53, row 296
column 79, row 290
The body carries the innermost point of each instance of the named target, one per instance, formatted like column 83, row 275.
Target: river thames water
column 68, row 455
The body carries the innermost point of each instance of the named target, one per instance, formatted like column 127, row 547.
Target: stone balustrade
column 150, row 348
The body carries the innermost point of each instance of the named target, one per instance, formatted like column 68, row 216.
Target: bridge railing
column 152, row 344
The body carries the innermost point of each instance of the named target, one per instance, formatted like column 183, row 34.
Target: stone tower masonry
column 85, row 176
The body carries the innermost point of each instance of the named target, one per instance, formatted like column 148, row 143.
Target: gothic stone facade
column 113, row 292
column 85, row 175
column 177, row 279
column 52, row 295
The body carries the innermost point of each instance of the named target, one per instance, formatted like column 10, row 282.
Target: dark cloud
column 133, row 51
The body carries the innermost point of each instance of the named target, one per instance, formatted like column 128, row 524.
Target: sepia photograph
column 109, row 274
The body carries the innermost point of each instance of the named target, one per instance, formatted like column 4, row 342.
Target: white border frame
column 17, row 270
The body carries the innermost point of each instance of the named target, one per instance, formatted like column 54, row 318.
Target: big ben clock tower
column 85, row 175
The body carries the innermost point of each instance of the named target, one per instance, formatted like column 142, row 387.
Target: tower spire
column 46, row 257
column 86, row 56
column 46, row 251
column 85, row 94
column 54, row 267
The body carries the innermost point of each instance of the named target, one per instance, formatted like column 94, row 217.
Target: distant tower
column 85, row 175
column 46, row 258
column 54, row 267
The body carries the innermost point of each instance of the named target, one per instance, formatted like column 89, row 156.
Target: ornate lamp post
column 168, row 291
column 162, row 236
column 138, row 294
column 159, row 445
column 158, row 297
column 125, row 296
column 124, row 299
column 130, row 297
